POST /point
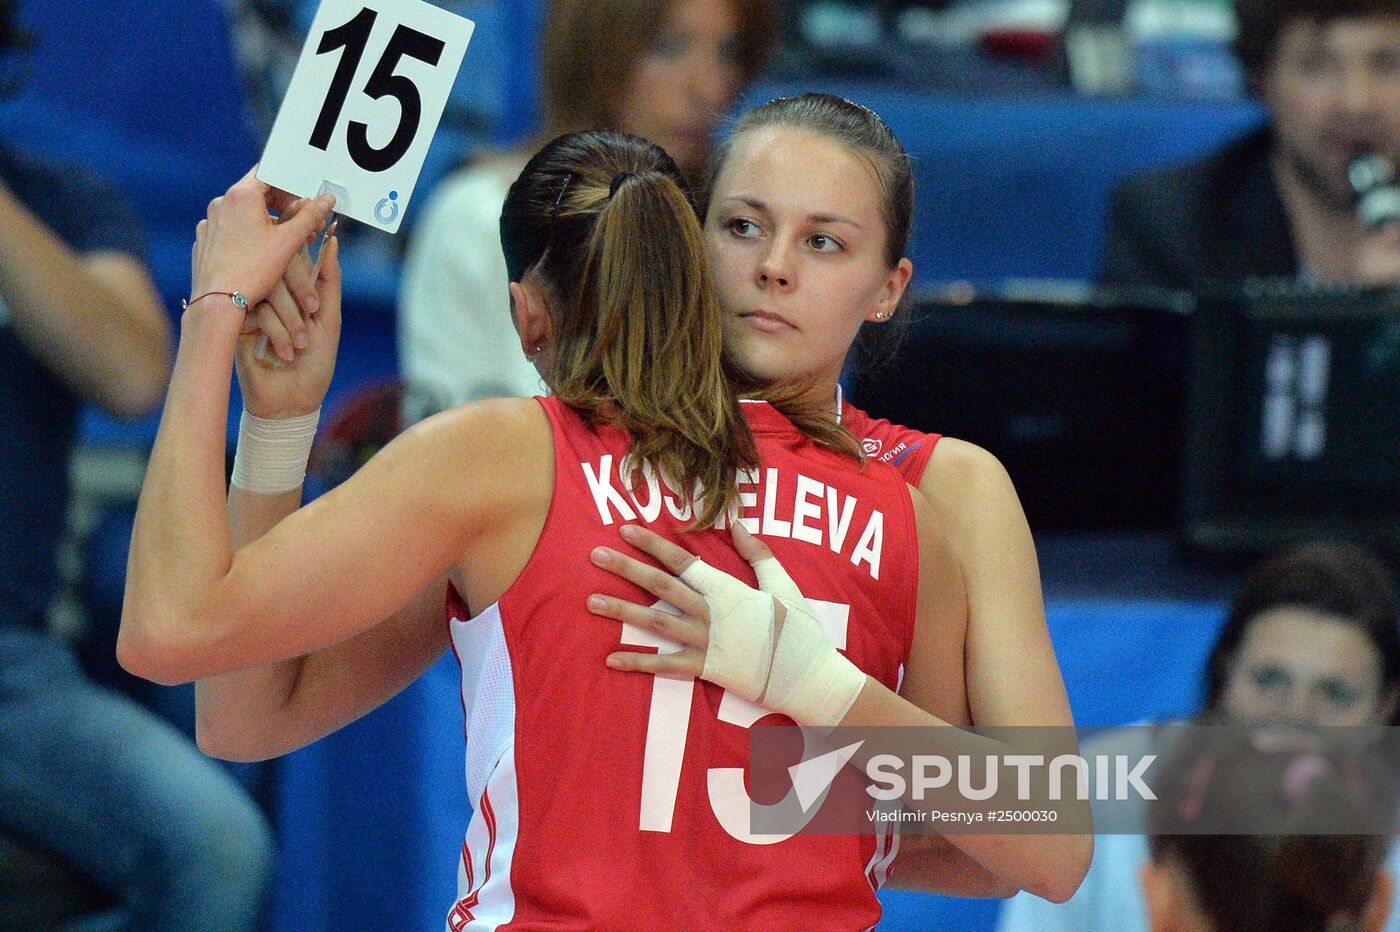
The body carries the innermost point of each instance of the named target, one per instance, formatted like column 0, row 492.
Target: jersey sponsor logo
column 901, row 452
column 814, row 512
column 893, row 455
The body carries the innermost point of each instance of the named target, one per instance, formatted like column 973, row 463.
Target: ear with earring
column 534, row 353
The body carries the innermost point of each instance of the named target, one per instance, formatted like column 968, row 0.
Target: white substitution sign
column 365, row 100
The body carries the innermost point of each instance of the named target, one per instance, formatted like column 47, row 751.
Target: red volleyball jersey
column 904, row 449
column 613, row 800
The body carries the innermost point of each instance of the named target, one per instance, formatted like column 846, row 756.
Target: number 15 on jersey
column 363, row 105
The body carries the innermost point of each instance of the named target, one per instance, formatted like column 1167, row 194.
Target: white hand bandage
column 774, row 580
column 810, row 681
column 741, row 630
column 803, row 676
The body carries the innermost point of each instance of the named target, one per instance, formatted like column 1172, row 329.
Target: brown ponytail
column 603, row 219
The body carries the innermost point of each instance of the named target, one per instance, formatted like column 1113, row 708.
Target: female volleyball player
column 847, row 273
column 612, row 296
column 808, row 213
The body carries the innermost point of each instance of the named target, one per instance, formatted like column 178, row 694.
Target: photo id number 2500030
column 1022, row 815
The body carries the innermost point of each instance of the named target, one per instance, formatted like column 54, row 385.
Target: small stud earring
column 882, row 315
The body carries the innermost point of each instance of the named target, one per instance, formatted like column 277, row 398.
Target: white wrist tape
column 272, row 454
column 741, row 630
column 803, row 676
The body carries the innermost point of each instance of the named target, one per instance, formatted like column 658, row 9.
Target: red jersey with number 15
column 612, row 800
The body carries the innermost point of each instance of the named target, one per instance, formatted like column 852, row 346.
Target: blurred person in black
column 109, row 817
column 1278, row 202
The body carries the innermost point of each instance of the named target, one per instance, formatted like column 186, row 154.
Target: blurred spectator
column 666, row 71
column 1278, row 202
column 1283, row 801
column 1313, row 638
column 103, row 806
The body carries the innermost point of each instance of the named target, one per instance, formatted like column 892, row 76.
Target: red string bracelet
column 240, row 300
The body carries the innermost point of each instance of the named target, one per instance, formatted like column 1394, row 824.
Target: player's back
column 618, row 800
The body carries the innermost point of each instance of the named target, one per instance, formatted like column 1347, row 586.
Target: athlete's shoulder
column 964, row 478
column 526, row 415
column 494, row 436
column 960, row 461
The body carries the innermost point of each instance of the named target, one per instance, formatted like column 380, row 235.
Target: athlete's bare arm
column 196, row 606
column 277, row 708
column 266, row 711
column 935, row 677
column 935, row 680
column 976, row 559
column 263, row 711
column 1012, row 677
